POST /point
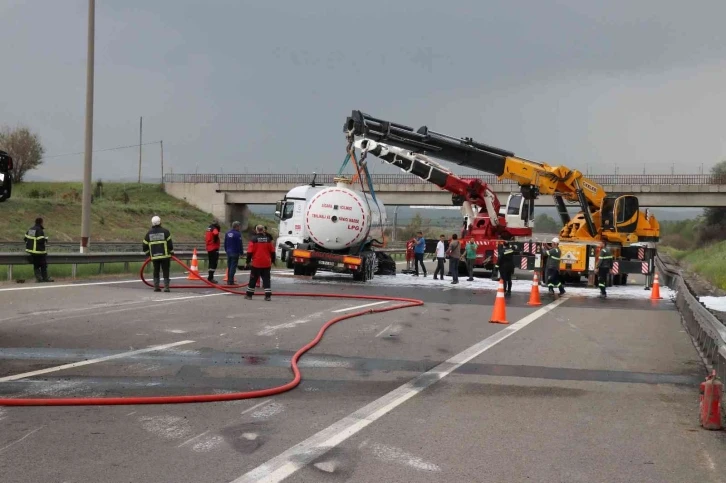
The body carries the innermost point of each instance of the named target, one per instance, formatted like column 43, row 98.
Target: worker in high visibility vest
column 604, row 264
column 553, row 267
column 36, row 247
column 159, row 247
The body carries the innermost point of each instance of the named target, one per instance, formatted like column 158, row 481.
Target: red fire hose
column 201, row 398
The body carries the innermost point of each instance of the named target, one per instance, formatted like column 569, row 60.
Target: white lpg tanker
column 334, row 229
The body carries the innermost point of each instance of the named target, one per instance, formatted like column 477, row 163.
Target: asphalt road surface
column 576, row 390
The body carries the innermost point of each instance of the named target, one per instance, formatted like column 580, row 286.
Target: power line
column 100, row 150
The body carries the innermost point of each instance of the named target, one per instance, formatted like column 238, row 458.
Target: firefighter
column 505, row 264
column 409, row 253
column 159, row 247
column 35, row 246
column 213, row 244
column 260, row 257
column 604, row 264
column 553, row 267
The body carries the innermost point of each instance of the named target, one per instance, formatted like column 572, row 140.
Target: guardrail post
column 100, row 267
column 126, row 266
column 10, row 273
column 74, row 270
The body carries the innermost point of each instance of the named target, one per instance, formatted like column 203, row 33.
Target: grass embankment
column 121, row 212
column 709, row 262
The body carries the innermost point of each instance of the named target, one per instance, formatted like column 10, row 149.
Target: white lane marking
column 359, row 307
column 85, row 284
column 190, row 297
column 384, row 330
column 93, row 361
column 397, row 455
column 192, row 439
column 89, row 284
column 255, row 406
column 290, row 461
column 16, row 442
column 271, row 329
column 266, row 412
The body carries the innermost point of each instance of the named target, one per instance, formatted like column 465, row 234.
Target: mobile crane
column 484, row 220
column 611, row 220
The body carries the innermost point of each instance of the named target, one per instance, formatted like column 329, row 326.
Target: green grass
column 122, row 213
column 709, row 262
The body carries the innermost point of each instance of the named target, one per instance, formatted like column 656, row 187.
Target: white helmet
column 155, row 221
column 555, row 240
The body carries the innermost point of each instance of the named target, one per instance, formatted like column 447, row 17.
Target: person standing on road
column 440, row 257
column 604, row 264
column 470, row 258
column 418, row 252
column 260, row 257
column 159, row 247
column 454, row 253
column 213, row 244
column 233, row 249
column 553, row 267
column 505, row 263
column 36, row 246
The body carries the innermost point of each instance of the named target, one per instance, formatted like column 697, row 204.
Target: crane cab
column 519, row 212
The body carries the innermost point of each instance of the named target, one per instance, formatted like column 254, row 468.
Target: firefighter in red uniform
column 409, row 253
column 260, row 257
column 213, row 244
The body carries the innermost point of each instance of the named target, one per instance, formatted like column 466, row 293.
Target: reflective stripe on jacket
column 158, row 244
column 35, row 241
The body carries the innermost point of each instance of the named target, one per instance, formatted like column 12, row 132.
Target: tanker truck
column 332, row 229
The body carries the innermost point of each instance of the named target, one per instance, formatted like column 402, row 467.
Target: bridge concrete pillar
column 238, row 212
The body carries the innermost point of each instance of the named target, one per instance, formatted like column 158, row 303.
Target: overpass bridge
column 227, row 195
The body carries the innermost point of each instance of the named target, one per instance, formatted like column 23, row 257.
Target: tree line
column 24, row 146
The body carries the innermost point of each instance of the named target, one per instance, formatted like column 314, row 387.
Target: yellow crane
column 612, row 220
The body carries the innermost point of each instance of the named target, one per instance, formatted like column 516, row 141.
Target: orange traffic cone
column 655, row 291
column 499, row 315
column 534, row 294
column 194, row 269
column 226, row 276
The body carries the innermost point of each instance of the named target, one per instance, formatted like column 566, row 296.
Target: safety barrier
column 706, row 331
column 74, row 259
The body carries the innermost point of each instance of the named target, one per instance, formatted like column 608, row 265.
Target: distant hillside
column 120, row 212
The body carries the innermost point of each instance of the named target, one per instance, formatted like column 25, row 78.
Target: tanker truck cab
column 291, row 212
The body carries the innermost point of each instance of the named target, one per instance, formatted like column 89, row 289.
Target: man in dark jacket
column 159, row 247
column 233, row 248
column 260, row 257
column 213, row 244
column 35, row 245
column 604, row 264
column 553, row 267
column 505, row 263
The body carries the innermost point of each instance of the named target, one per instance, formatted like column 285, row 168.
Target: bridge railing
column 706, row 330
column 300, row 179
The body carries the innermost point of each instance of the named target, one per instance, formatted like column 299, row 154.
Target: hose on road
column 202, row 398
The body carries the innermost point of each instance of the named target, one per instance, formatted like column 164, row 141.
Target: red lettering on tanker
column 322, row 217
column 346, row 208
column 326, row 205
column 354, row 227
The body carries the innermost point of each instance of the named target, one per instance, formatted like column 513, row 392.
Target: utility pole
column 161, row 143
column 141, row 126
column 88, row 155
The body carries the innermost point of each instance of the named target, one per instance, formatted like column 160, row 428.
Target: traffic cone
column 194, row 269
column 226, row 273
column 655, row 291
column 499, row 315
column 534, row 293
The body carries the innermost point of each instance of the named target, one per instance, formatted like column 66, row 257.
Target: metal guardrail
column 11, row 259
column 297, row 179
column 97, row 247
column 707, row 332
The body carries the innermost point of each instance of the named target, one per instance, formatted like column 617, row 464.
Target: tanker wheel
column 298, row 270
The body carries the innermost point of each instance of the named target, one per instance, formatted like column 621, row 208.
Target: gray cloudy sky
column 253, row 86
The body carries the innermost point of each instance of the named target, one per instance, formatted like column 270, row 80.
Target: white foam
column 714, row 303
column 630, row 291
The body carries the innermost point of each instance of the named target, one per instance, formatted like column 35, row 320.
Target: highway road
column 577, row 390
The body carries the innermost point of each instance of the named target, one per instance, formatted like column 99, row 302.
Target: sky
column 235, row 86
